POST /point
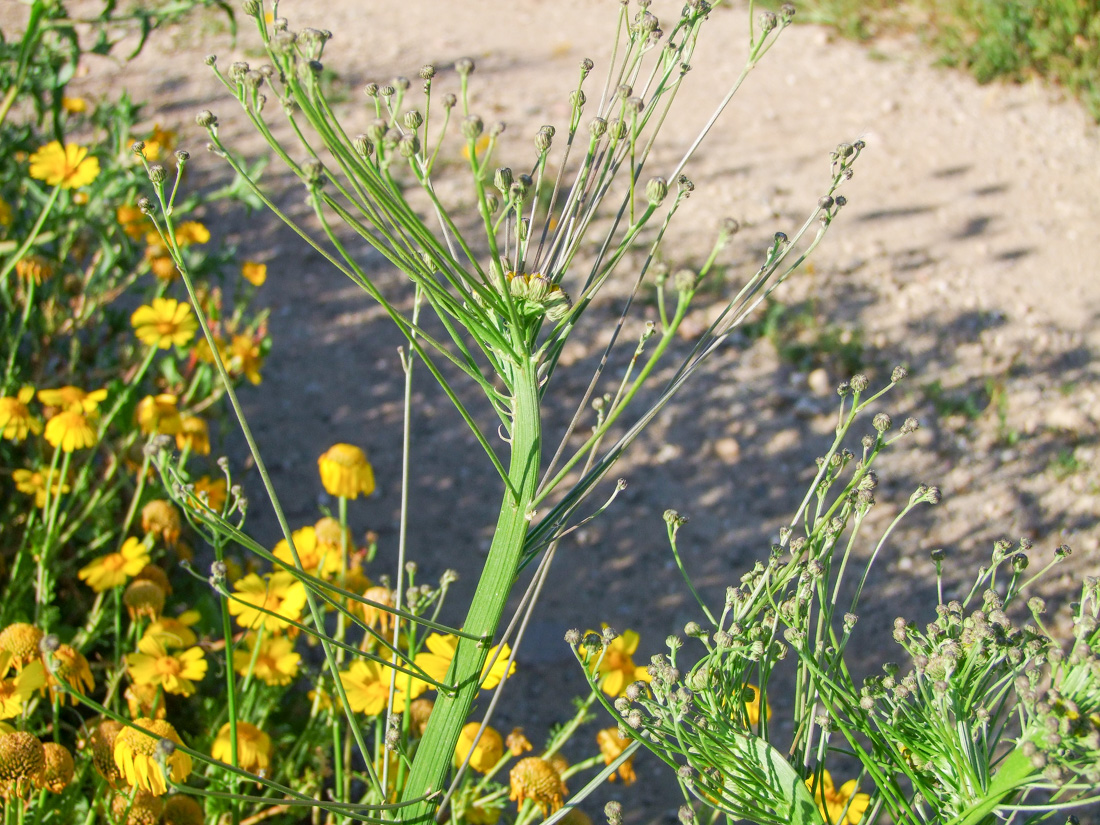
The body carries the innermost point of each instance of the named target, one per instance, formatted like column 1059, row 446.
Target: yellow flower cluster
column 71, row 415
column 67, row 166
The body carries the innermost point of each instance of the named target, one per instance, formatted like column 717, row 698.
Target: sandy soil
column 966, row 252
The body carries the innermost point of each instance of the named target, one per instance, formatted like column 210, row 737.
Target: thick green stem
column 433, row 756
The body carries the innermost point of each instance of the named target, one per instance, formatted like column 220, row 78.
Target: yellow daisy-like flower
column 276, row 663
column 441, row 649
column 193, row 434
column 16, row 421
column 159, row 143
column 176, row 672
column 15, row 692
column 245, row 358
column 177, row 632
column 367, row 685
column 611, row 748
column 376, row 617
column 164, row 322
column 182, row 810
column 66, row 166
column 73, row 398
column 59, row 769
column 70, row 667
column 74, row 105
column 70, row 430
column 22, row 764
column 486, row 753
column 319, row 558
column 144, row 598
column 281, row 594
column 831, row 801
column 345, row 471
column 162, row 519
column 254, row 272
column 190, row 232
column 752, row 706
column 617, row 667
column 215, row 490
column 136, row 760
column 145, row 700
column 19, row 642
column 158, row 414
column 115, row 568
column 254, row 748
column 535, row 779
column 33, row 483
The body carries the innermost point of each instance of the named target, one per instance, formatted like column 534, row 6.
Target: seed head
column 882, row 422
column 427, row 71
column 464, row 66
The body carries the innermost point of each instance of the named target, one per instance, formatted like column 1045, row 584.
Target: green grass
column 1058, row 40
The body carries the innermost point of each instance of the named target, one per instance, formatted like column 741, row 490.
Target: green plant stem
column 433, row 757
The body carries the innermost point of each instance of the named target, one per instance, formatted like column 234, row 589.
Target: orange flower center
column 166, row 327
column 168, row 666
column 114, row 562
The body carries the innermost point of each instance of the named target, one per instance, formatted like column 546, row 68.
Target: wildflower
column 319, row 558
column 485, row 754
column 253, row 272
column 442, row 648
column 193, row 435
column 611, row 748
column 182, row 810
column 68, row 167
column 34, row 268
column 133, row 221
column 617, row 668
column 101, row 741
column 282, row 595
column 70, row 430
column 175, row 632
column 74, row 105
column 419, row 712
column 367, row 685
column 16, row 420
column 214, row 489
column 160, row 263
column 345, row 471
column 155, row 664
column 190, row 232
column 144, row 700
column 752, row 706
column 158, row 414
column 517, row 743
column 70, row 667
column 535, row 779
column 275, row 663
column 15, row 692
column 162, row 519
column 135, row 755
column 254, row 748
column 22, row 763
column 159, row 143
column 144, row 809
column 143, row 597
column 831, row 802
column 73, row 398
column 33, row 483
column 164, row 322
column 20, row 641
column 115, row 568
column 376, row 617
column 59, row 768
column 245, row 358
column 154, row 574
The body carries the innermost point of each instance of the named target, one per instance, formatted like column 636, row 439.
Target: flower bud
column 472, row 127
column 206, row 119
column 413, row 119
column 427, row 71
column 157, row 173
column 502, row 179
column 656, row 190
column 464, row 66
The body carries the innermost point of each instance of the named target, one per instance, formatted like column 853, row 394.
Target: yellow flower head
column 214, row 489
column 367, row 685
column 517, row 743
column 22, row 763
column 752, row 706
column 190, row 232
column 832, row 802
column 161, row 264
column 164, row 322
column 133, row 221
column 611, row 748
column 535, row 779
column 70, row 430
column 253, row 272
column 101, row 742
column 66, row 166
column 441, row 649
column 74, row 105
column 486, row 753
column 144, row 809
column 162, row 519
column 16, row 421
column 420, row 710
column 182, row 810
column 59, row 768
column 254, row 748
column 145, row 700
column 617, row 667
column 136, row 755
column 33, row 483
column 34, row 268
column 70, row 667
column 15, row 692
column 177, row 632
column 193, row 434
column 319, row 558
column 159, row 143
column 281, row 594
column 158, row 414
column 115, row 568
column 345, row 471
column 245, row 358
column 155, row 664
column 376, row 617
column 73, row 398
column 20, row 641
column 276, row 663
column 143, row 597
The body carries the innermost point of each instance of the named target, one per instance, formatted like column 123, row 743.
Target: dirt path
column 967, row 252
